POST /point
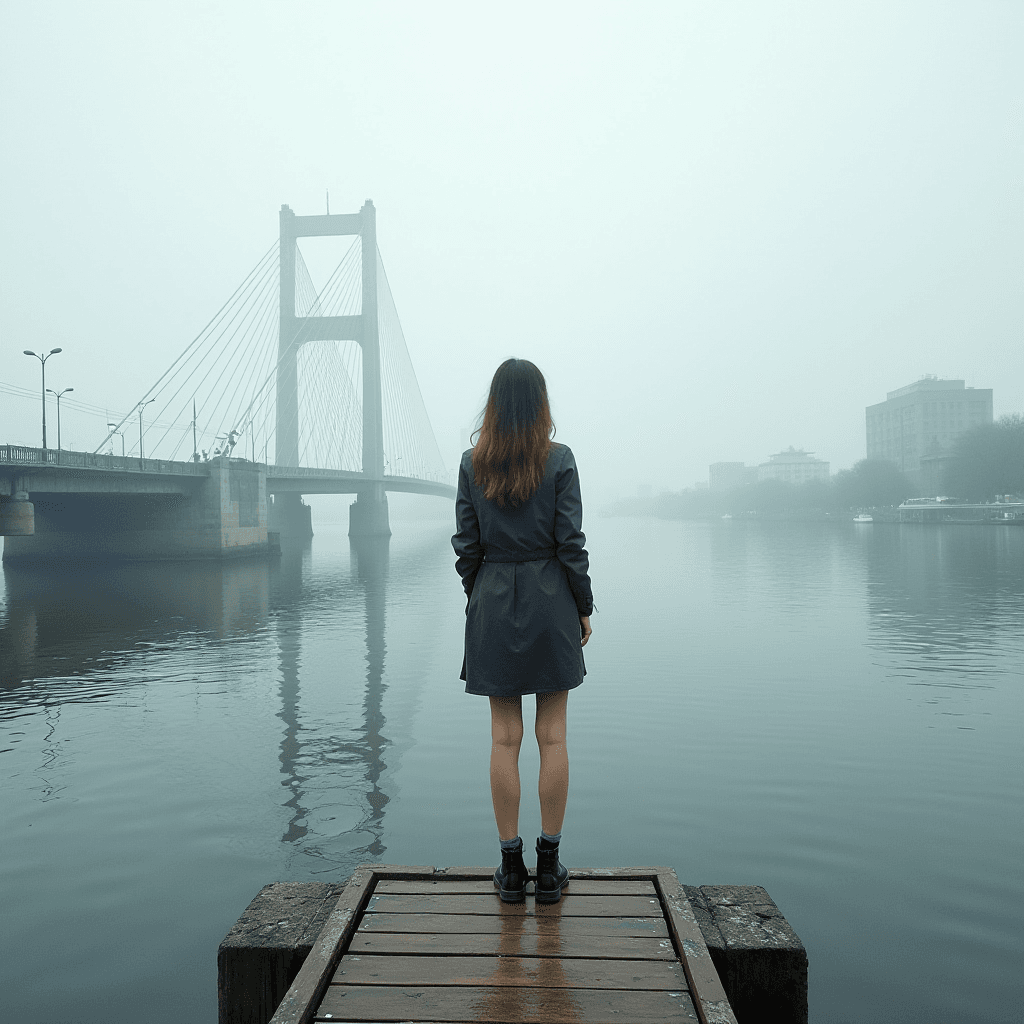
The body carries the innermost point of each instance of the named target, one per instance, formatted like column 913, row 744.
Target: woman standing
column 525, row 571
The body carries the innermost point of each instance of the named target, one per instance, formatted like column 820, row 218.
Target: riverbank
column 665, row 508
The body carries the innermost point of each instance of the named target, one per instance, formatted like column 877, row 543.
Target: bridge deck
column 415, row 944
column 49, row 469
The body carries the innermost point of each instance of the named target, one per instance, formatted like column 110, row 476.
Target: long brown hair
column 515, row 437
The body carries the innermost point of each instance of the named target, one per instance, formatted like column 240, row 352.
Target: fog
column 719, row 229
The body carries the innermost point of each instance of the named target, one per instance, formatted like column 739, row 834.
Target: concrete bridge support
column 289, row 517
column 221, row 515
column 368, row 514
column 17, row 514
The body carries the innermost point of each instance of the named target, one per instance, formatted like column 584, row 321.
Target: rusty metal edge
column 303, row 996
column 706, row 989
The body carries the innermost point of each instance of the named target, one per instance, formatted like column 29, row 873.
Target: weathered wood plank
column 415, row 971
column 709, row 996
column 537, row 941
column 617, row 947
column 476, row 924
column 486, row 871
column 570, row 905
column 578, row 887
column 505, row 1005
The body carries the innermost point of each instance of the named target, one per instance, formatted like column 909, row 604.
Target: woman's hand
column 585, row 630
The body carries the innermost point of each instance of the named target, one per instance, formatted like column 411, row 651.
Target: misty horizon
column 719, row 232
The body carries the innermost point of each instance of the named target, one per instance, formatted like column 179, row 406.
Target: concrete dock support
column 762, row 963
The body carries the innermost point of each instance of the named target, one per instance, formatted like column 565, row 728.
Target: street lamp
column 58, row 394
column 120, row 433
column 142, row 405
column 42, row 361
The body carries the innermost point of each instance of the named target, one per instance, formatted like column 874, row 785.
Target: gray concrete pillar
column 286, row 444
column 373, row 405
column 17, row 516
column 290, row 517
column 368, row 514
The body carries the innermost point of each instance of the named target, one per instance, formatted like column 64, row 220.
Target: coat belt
column 541, row 555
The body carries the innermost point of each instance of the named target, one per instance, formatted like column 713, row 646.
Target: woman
column 525, row 571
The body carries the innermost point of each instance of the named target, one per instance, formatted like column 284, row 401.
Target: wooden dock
column 414, row 944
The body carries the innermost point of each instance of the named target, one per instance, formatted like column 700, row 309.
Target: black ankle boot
column 552, row 875
column 511, row 876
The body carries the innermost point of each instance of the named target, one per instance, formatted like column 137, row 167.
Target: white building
column 793, row 467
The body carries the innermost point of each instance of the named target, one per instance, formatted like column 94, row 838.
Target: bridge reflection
column 355, row 754
column 73, row 623
column 60, row 634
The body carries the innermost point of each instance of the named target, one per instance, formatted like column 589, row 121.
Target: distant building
column 723, row 476
column 916, row 426
column 793, row 467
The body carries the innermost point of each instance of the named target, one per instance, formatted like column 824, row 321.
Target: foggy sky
column 719, row 228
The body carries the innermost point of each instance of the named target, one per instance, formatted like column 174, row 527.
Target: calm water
column 831, row 711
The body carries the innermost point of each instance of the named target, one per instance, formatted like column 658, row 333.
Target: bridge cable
column 253, row 323
column 266, row 256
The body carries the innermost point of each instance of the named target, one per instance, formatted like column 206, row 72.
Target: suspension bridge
column 288, row 390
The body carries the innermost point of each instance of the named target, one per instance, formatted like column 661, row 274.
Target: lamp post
column 142, row 405
column 58, row 394
column 112, row 427
column 42, row 362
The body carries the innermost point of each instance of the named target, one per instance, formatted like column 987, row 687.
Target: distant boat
column 863, row 517
column 728, row 515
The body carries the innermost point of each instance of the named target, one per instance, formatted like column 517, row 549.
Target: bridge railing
column 18, row 455
column 305, row 471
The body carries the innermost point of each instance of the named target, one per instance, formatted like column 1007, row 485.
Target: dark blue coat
column 525, row 572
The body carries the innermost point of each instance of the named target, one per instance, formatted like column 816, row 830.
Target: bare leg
column 506, row 739
column 553, row 785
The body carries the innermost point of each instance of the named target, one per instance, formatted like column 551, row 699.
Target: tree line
column 986, row 460
column 869, row 484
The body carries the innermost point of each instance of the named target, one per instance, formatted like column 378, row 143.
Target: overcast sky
column 720, row 229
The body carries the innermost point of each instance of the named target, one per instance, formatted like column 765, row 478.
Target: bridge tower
column 368, row 516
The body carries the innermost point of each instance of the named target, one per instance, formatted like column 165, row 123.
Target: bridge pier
column 289, row 517
column 17, row 514
column 368, row 514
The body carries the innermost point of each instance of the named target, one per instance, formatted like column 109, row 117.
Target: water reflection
column 306, row 758
column 943, row 602
column 81, row 619
column 528, row 982
column 371, row 554
column 947, row 599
